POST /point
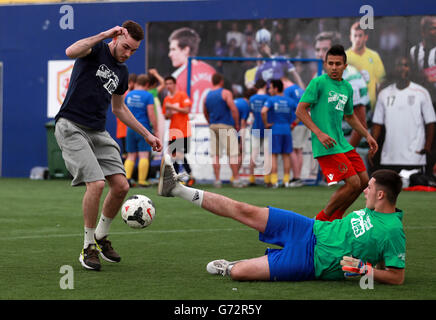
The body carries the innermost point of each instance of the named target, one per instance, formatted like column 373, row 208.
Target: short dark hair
column 260, row 83
column 390, row 182
column 278, row 84
column 336, row 50
column 134, row 29
column 170, row 78
column 217, row 78
column 186, row 37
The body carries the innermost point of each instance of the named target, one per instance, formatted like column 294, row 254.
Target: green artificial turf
column 41, row 230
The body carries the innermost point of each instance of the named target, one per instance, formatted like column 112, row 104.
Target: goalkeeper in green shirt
column 311, row 249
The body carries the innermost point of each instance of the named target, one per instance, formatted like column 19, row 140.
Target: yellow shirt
column 371, row 67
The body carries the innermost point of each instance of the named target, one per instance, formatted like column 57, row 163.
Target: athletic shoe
column 168, row 177
column 106, row 251
column 238, row 184
column 297, row 183
column 220, row 267
column 217, row 184
column 89, row 258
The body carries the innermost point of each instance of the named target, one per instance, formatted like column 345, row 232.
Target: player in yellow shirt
column 366, row 60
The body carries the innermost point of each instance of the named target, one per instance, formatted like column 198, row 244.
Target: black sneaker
column 106, row 251
column 89, row 258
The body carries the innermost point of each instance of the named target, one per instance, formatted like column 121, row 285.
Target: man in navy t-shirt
column 91, row 155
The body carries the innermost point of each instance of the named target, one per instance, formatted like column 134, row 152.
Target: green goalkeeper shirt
column 329, row 100
column 365, row 234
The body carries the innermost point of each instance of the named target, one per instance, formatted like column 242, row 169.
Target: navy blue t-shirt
column 94, row 79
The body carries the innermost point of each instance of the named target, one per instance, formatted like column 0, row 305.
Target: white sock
column 103, row 227
column 193, row 195
column 89, row 237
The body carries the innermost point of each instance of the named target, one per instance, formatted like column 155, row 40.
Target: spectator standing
column 176, row 107
column 223, row 116
column 367, row 61
column 141, row 103
column 404, row 108
column 423, row 57
column 283, row 115
column 260, row 139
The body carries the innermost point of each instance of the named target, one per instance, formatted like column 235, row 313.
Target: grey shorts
column 89, row 155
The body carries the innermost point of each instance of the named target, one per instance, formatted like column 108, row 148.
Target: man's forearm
column 389, row 276
column 123, row 113
column 355, row 123
column 83, row 47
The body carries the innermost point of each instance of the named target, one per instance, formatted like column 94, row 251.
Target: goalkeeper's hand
column 353, row 267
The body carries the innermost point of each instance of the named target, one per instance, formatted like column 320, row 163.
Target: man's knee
column 354, row 183
column 95, row 186
column 121, row 188
column 239, row 273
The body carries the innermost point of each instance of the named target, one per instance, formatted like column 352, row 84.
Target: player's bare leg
column 118, row 189
column 91, row 202
column 363, row 176
column 342, row 195
column 252, row 216
column 242, row 270
column 90, row 205
column 251, row 269
column 216, row 169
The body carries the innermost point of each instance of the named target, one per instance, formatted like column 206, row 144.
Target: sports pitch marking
column 68, row 235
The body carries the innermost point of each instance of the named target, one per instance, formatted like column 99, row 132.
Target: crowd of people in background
column 389, row 96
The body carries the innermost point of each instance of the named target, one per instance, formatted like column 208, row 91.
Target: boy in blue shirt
column 281, row 120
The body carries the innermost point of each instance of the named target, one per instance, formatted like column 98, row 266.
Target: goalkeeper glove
column 355, row 267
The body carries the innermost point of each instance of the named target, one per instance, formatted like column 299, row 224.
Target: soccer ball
column 263, row 36
column 138, row 211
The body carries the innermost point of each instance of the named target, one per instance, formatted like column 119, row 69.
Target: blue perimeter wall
column 30, row 36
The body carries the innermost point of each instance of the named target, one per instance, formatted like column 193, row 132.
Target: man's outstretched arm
column 83, row 47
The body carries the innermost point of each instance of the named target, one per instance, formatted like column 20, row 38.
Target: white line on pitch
column 60, row 235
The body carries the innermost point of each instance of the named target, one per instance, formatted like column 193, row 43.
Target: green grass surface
column 41, row 229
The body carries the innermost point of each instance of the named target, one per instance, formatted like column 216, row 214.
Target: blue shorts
column 135, row 142
column 281, row 143
column 293, row 232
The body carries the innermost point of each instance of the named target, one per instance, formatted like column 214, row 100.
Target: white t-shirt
column 404, row 113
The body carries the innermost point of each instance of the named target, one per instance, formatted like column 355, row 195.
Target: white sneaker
column 168, row 178
column 220, row 266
